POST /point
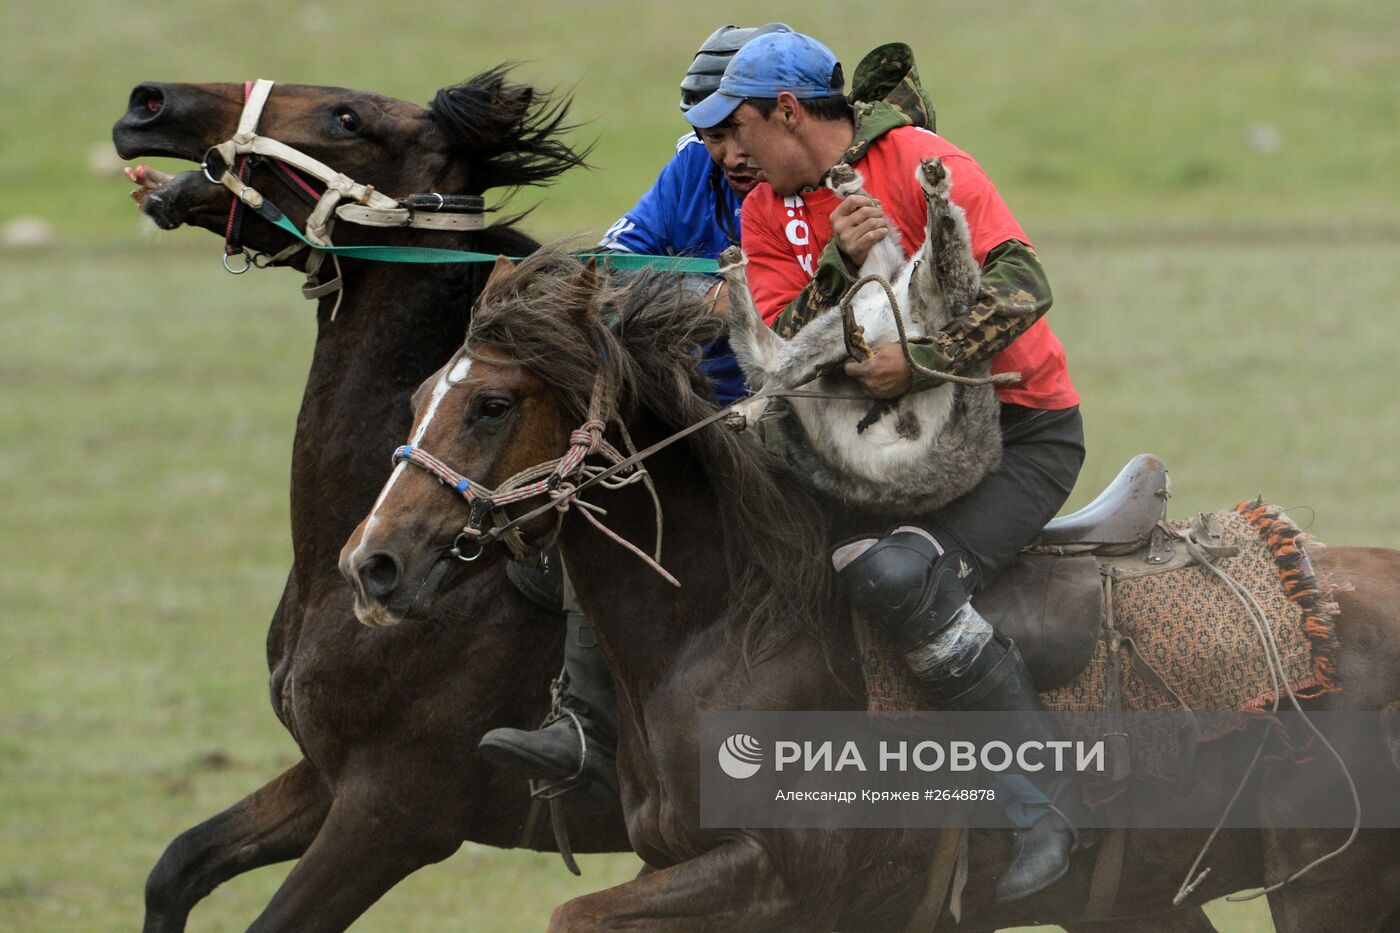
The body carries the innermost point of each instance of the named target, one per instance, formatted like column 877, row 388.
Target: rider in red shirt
column 783, row 238
column 782, row 94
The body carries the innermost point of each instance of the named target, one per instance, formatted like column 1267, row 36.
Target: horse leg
column 274, row 823
column 732, row 887
column 381, row 828
column 1185, row 920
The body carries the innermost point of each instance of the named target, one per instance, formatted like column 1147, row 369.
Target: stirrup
column 550, row 789
column 550, row 792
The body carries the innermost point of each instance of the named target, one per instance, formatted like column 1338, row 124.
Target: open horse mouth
column 171, row 200
column 152, row 126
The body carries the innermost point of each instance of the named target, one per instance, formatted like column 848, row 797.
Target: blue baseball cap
column 764, row 68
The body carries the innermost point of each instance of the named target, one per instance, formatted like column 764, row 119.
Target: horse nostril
column 380, row 573
column 147, row 102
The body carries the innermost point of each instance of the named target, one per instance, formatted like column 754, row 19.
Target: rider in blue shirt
column 691, row 210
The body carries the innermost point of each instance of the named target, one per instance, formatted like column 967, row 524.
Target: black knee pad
column 902, row 584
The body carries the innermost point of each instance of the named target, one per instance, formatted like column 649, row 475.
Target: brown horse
column 550, row 346
column 387, row 720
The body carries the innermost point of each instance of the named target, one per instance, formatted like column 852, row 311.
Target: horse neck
column 652, row 632
column 642, row 621
column 396, row 324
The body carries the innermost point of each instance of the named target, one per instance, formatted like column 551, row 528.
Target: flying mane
column 510, row 134
column 556, row 318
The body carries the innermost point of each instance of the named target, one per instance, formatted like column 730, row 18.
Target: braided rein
column 558, row 480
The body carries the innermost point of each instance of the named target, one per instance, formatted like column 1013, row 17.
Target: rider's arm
column 1014, row 294
column 835, row 275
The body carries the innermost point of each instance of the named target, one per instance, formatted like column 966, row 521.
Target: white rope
column 1279, row 676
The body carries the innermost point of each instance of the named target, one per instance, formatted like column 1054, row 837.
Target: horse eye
column 493, row 408
column 347, row 120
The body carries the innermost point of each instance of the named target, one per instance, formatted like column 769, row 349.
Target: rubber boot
column 998, row 680
column 557, row 756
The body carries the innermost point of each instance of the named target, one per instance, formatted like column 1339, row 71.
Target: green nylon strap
column 428, row 254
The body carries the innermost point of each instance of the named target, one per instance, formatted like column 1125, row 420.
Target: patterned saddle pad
column 1188, row 626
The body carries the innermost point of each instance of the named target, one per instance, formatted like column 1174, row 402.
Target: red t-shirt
column 783, row 238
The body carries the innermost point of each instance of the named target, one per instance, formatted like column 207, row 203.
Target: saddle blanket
column 1192, row 631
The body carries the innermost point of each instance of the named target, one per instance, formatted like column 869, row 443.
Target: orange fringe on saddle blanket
column 1189, row 627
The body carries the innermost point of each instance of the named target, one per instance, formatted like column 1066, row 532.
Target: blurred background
column 1212, row 188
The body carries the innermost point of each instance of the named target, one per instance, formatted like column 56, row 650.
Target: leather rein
column 563, row 479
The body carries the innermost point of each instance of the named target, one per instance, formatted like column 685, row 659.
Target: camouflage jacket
column 886, row 94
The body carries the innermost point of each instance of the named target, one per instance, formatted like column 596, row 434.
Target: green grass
column 1228, row 309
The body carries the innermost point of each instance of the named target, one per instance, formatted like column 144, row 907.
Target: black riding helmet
column 702, row 79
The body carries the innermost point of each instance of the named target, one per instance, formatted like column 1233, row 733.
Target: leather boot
column 998, row 680
column 919, row 593
column 1039, row 858
column 576, row 746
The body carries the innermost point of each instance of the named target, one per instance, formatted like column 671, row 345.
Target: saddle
column 1050, row 602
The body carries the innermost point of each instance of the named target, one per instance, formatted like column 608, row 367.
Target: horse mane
column 509, row 133
column 568, row 325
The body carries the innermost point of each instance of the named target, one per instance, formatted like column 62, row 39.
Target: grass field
column 1212, row 189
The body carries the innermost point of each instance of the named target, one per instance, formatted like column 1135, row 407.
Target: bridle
column 564, row 478
column 560, row 480
column 340, row 198
column 343, row 198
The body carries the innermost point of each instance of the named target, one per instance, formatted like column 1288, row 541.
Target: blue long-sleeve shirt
column 689, row 211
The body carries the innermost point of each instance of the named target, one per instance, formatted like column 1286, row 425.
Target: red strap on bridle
column 234, row 208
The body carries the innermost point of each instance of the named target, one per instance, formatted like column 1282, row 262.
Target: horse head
column 482, row 420
column 483, row 133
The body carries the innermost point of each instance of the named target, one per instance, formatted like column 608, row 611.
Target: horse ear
column 502, row 270
column 587, row 281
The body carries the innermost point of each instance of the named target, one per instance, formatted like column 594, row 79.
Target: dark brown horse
column 387, row 720
column 550, row 345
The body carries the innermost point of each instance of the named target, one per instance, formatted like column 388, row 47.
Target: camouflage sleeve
column 835, row 274
column 1014, row 295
